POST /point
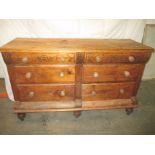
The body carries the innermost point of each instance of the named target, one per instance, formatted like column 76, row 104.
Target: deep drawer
column 42, row 74
column 112, row 72
column 45, row 92
column 100, row 58
column 92, row 92
column 39, row 58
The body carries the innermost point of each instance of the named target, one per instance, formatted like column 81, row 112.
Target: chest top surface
column 74, row 45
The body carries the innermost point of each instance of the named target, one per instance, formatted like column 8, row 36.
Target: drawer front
column 100, row 58
column 39, row 58
column 44, row 74
column 92, row 92
column 111, row 72
column 46, row 92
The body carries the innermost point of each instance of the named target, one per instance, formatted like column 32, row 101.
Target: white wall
column 149, row 39
column 150, row 21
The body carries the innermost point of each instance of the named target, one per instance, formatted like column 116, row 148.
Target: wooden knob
column 95, row 74
column 25, row 59
column 121, row 91
column 31, row 93
column 93, row 93
column 28, row 75
column 62, row 59
column 126, row 73
column 131, row 58
column 98, row 59
column 61, row 74
column 62, row 93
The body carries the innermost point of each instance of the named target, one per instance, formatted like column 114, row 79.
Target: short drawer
column 42, row 74
column 45, row 92
column 39, row 58
column 100, row 58
column 112, row 72
column 107, row 91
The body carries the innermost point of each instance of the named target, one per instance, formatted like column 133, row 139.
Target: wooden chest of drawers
column 74, row 74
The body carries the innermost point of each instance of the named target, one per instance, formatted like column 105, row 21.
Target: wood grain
column 46, row 92
column 39, row 58
column 76, row 45
column 78, row 76
column 69, row 106
column 101, row 58
column 111, row 72
column 43, row 74
column 107, row 91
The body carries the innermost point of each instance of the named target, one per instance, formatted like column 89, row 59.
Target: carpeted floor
column 141, row 121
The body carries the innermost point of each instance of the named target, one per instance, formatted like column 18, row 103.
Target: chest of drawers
column 74, row 74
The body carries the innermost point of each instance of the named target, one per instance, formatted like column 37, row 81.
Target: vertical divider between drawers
column 78, row 78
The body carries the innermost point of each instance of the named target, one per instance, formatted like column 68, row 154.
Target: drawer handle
column 95, row 74
column 98, row 59
column 121, row 91
column 62, row 93
column 31, row 93
column 131, row 58
column 126, row 73
column 61, row 74
column 62, row 59
column 28, row 75
column 25, row 59
column 93, row 93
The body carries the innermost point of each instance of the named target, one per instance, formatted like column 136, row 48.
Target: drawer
column 106, row 91
column 100, row 58
column 43, row 74
column 39, row 58
column 45, row 92
column 112, row 72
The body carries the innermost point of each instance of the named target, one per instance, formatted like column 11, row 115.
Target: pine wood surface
column 51, row 45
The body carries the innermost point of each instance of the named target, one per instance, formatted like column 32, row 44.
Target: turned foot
column 77, row 113
column 21, row 116
column 129, row 111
